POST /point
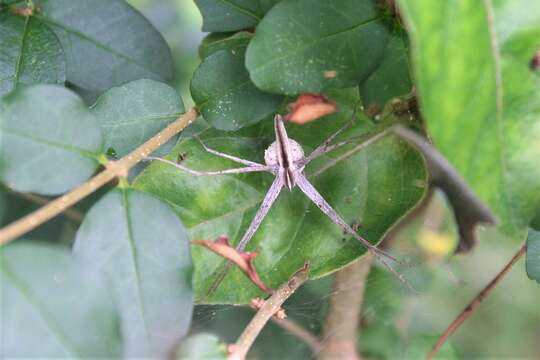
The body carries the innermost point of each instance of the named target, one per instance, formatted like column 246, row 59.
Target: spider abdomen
column 271, row 154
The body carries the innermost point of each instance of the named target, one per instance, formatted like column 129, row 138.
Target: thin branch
column 260, row 319
column 71, row 214
column 340, row 332
column 301, row 333
column 464, row 315
column 113, row 169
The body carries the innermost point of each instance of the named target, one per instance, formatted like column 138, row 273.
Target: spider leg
column 309, row 190
column 227, row 156
column 326, row 148
column 254, row 168
column 321, row 149
column 269, row 198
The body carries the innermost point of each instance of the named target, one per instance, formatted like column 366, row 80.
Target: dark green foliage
column 224, row 93
column 30, row 53
column 311, row 46
column 129, row 287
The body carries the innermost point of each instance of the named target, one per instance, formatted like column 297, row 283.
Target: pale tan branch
column 71, row 214
column 464, row 315
column 113, row 169
column 340, row 332
column 271, row 306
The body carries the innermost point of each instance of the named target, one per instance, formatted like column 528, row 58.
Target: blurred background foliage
column 506, row 325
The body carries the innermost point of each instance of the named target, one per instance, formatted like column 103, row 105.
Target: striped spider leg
column 286, row 161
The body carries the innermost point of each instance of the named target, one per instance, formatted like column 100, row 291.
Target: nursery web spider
column 285, row 160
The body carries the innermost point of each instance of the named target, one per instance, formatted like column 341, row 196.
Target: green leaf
column 141, row 248
column 132, row 113
column 232, row 15
column 532, row 260
column 50, row 140
column 480, row 99
column 310, row 46
column 421, row 345
column 392, row 77
column 202, row 346
column 51, row 308
column 222, row 41
column 30, row 53
column 376, row 186
column 225, row 95
column 106, row 43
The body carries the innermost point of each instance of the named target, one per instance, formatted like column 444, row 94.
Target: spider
column 285, row 160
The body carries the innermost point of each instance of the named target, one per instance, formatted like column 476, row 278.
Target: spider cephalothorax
column 285, row 153
column 285, row 159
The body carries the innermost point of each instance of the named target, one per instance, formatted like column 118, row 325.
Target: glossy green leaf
column 132, row 113
column 222, row 41
column 106, row 42
column 532, row 260
column 202, row 346
column 30, row 53
column 225, row 95
column 375, row 186
column 310, row 46
column 141, row 248
column 479, row 96
column 420, row 346
column 392, row 78
column 231, row 15
column 50, row 140
column 51, row 308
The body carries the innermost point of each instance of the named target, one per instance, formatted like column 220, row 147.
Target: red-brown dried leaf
column 244, row 260
column 309, row 107
column 535, row 61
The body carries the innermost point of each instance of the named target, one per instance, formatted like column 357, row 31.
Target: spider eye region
column 271, row 154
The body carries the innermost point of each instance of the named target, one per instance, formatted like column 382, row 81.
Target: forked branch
column 113, row 169
column 273, row 304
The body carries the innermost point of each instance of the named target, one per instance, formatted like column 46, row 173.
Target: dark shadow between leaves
column 468, row 209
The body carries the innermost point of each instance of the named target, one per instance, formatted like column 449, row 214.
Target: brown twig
column 113, row 169
column 260, row 319
column 340, row 332
column 464, row 315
